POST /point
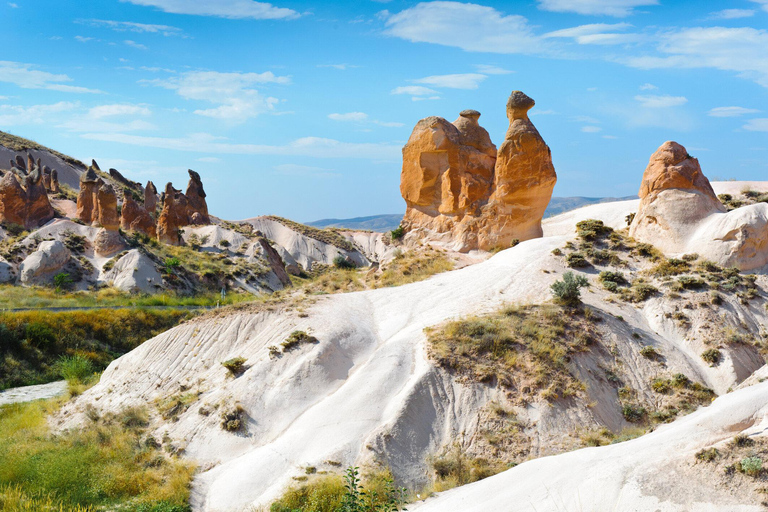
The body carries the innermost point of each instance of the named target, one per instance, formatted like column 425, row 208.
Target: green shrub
column 592, row 229
column 342, row 262
column 707, row 455
column 612, row 280
column 75, row 369
column 62, row 281
column 322, row 494
column 397, row 233
column 73, row 242
column 633, row 413
column 752, row 466
column 566, row 291
column 742, row 440
column 576, row 260
column 295, row 339
column 649, row 352
column 232, row 420
column 712, row 356
column 691, row 283
column 171, row 264
column 236, row 365
column 661, row 386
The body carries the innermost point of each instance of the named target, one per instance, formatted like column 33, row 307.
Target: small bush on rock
column 296, row 338
column 712, row 356
column 236, row 365
column 566, row 291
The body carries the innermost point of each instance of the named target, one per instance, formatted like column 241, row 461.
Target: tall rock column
column 173, row 216
column 150, row 199
column 87, row 209
column 524, row 180
column 197, row 207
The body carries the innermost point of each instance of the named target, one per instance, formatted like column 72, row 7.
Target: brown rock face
column 87, row 208
column 672, row 167
column 196, row 199
column 172, row 216
column 135, row 217
column 108, row 242
column 459, row 190
column 106, row 200
column 150, row 198
column 55, row 187
column 26, row 205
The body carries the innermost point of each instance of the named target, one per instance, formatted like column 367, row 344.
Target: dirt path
column 29, row 393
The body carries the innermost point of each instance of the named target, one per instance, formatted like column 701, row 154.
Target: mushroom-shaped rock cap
column 518, row 105
column 470, row 114
column 89, row 176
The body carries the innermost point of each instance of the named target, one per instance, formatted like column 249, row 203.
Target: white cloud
column 730, row 49
column 616, row 8
column 591, row 129
column 316, row 147
column 24, row 76
column 648, row 87
column 731, row 14
column 763, row 3
column 13, row 5
column 234, row 9
column 454, row 81
column 16, row 115
column 611, row 137
column 597, row 33
column 389, row 124
column 757, row 125
column 658, row 101
column 471, row 27
column 350, row 116
column 130, row 26
column 414, row 90
column 118, row 110
column 233, row 93
column 731, row 111
column 492, row 70
column 586, row 119
column 306, row 170
column 134, row 44
column 83, row 39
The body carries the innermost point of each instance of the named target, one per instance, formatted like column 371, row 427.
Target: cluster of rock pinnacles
column 97, row 205
column 24, row 193
column 459, row 189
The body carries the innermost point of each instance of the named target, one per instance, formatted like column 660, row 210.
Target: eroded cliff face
column 460, row 190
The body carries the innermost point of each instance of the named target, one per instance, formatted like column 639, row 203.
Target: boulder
column 196, row 199
column 108, row 242
column 87, row 208
column 134, row 217
column 135, row 272
column 106, row 200
column 679, row 213
column 459, row 190
column 41, row 266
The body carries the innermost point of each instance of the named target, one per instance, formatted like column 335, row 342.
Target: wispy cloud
column 235, row 9
column 233, row 92
column 417, row 92
column 83, row 39
column 591, row 129
column 16, row 115
column 134, row 44
column 26, row 77
column 597, row 33
column 340, row 67
column 349, row 116
column 130, row 26
column 454, row 81
column 616, row 8
column 661, row 101
column 731, row 14
column 648, row 87
column 731, row 111
column 118, row 117
column 492, row 70
column 316, row 147
column 757, row 125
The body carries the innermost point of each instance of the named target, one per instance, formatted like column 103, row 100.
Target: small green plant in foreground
column 752, row 466
column 62, row 281
column 236, row 365
column 295, row 339
column 397, row 233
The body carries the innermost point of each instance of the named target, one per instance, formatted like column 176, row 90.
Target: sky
column 301, row 108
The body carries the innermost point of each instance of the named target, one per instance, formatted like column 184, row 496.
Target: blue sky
column 301, row 108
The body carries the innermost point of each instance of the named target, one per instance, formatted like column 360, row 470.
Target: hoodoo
column 460, row 191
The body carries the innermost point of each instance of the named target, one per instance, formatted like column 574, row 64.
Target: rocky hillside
column 360, row 373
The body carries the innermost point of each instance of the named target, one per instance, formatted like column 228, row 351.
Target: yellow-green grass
column 33, row 342
column 12, row 297
column 107, row 464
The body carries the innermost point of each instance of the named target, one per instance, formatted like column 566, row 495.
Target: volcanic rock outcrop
column 196, row 200
column 173, row 216
column 26, row 205
column 87, row 207
column 461, row 191
column 679, row 213
column 135, row 217
column 106, row 201
column 150, row 198
column 48, row 260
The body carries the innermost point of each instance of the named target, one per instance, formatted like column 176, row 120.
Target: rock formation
column 26, row 205
column 108, row 242
column 87, row 208
column 41, row 266
column 106, row 202
column 135, row 217
column 118, row 177
column 196, row 200
column 459, row 190
column 150, row 198
column 680, row 213
column 173, row 216
column 55, row 186
column 47, row 177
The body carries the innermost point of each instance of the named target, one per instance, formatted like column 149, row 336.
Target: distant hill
column 378, row 223
column 388, row 222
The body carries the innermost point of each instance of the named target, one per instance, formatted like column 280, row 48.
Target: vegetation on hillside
column 111, row 463
column 32, row 343
column 327, row 236
column 20, row 145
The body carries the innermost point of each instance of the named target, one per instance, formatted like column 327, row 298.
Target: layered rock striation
column 460, row 190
